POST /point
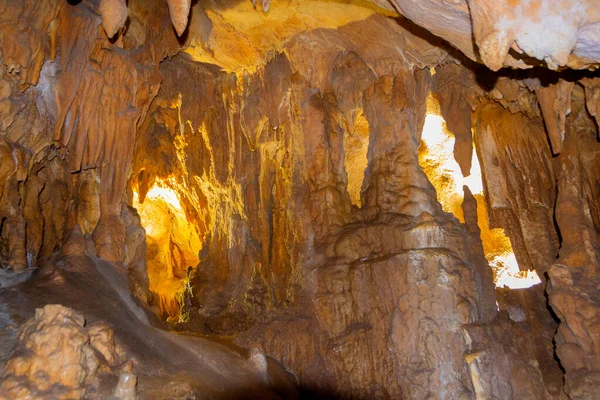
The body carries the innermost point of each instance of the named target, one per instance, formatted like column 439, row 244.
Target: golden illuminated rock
column 436, row 157
column 173, row 244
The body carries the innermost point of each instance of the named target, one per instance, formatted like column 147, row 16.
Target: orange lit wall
column 437, row 160
column 173, row 243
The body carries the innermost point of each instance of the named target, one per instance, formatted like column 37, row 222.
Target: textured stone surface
column 114, row 15
column 499, row 357
column 322, row 313
column 125, row 389
column 287, row 136
column 53, row 357
column 517, row 33
column 59, row 356
column 71, row 101
column 572, row 289
column 179, row 11
column 117, row 339
column 555, row 103
column 523, row 204
column 534, row 327
column 103, row 341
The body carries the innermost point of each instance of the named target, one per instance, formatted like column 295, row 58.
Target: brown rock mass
column 55, row 355
column 328, row 191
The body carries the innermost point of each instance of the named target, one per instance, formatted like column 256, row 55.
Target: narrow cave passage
column 436, row 157
column 173, row 244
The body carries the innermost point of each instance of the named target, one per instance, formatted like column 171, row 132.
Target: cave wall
column 528, row 186
column 572, row 275
column 71, row 101
column 390, row 299
column 325, row 285
column 266, row 159
column 516, row 34
column 322, row 285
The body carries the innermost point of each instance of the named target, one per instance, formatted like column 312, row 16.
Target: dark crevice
column 556, row 319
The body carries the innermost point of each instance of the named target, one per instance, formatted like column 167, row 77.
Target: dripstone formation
column 226, row 199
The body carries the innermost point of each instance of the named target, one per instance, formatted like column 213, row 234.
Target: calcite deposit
column 56, row 356
column 515, row 33
column 299, row 199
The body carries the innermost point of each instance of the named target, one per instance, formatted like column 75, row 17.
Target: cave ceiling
column 516, row 34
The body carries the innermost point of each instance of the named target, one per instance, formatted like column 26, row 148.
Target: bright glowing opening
column 508, row 274
column 165, row 194
column 172, row 241
column 436, row 157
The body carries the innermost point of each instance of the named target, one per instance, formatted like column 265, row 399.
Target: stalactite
column 179, row 11
column 114, row 14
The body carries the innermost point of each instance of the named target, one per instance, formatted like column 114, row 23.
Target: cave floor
column 168, row 365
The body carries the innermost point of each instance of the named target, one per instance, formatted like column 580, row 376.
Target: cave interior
column 337, row 199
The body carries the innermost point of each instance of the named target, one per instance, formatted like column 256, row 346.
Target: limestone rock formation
column 118, row 340
column 125, row 389
column 56, row 356
column 256, row 174
column 499, row 357
column 513, row 33
column 179, row 10
column 571, row 288
column 114, row 15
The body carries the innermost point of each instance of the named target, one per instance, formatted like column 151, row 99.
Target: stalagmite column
column 395, row 109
